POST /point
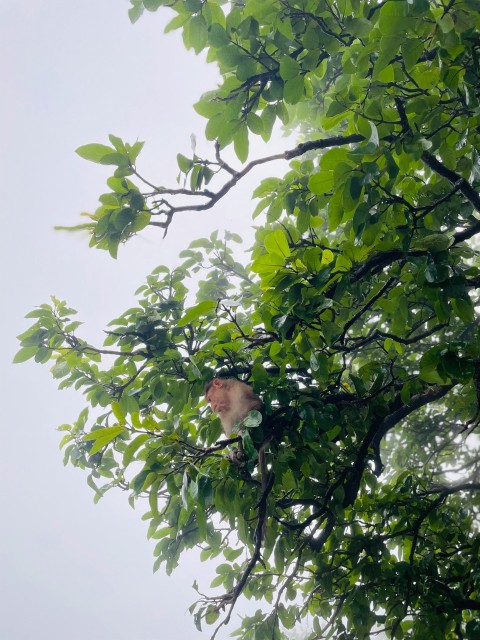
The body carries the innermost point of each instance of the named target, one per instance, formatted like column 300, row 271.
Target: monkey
column 231, row 400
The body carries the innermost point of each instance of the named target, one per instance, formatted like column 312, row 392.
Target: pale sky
column 73, row 72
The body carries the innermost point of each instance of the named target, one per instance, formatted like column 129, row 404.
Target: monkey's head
column 217, row 394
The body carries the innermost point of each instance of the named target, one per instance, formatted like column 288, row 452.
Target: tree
column 356, row 320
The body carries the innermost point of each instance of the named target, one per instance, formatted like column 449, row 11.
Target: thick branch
column 316, row 544
column 446, row 491
column 456, row 179
column 379, row 429
column 456, row 598
column 418, row 401
column 382, row 260
column 312, row 145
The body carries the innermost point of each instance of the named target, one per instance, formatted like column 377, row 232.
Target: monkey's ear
column 217, row 383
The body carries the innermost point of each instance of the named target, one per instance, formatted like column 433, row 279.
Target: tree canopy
column 355, row 319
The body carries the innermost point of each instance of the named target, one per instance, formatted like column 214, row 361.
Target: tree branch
column 416, row 402
column 454, row 178
column 447, row 491
column 365, row 308
column 168, row 210
column 458, row 181
column 232, row 597
column 378, row 431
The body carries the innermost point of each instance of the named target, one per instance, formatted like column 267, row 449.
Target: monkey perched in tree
column 231, row 400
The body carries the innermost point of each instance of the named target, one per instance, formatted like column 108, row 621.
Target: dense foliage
column 356, row 320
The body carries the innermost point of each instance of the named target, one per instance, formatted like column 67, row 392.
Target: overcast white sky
column 71, row 73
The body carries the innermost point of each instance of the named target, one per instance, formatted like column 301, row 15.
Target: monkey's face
column 218, row 397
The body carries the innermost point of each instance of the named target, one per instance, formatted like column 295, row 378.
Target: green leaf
column 141, row 220
column 60, row 369
column 289, row 68
column 253, row 419
column 464, row 309
column 240, row 143
column 152, row 5
column 245, row 69
column 197, row 312
column 25, row 354
column 294, row 90
column 248, row 446
column 136, row 11
column 184, row 164
column 255, row 123
column 373, row 138
column 321, row 182
column 359, row 27
column 277, row 243
column 95, row 152
column 392, row 166
column 176, row 23
column 360, row 217
column 429, row 366
column 217, row 36
column 117, row 143
column 118, row 413
column 198, row 33
column 412, row 50
column 335, row 108
column 133, row 447
column 268, row 116
column 184, row 490
column 355, row 186
column 230, row 55
column 103, row 437
column 389, row 45
column 134, row 150
column 333, row 157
